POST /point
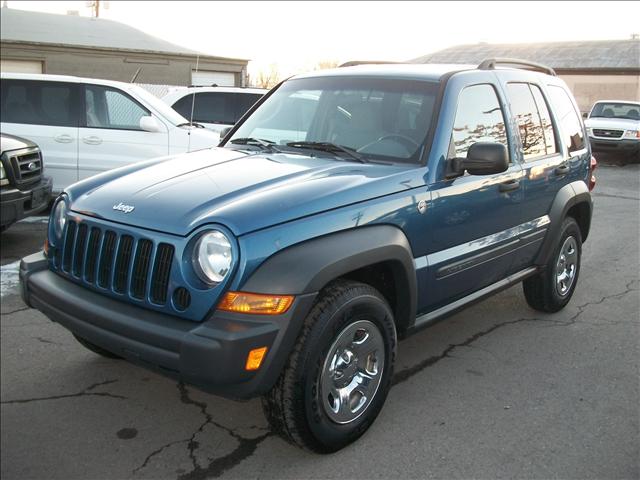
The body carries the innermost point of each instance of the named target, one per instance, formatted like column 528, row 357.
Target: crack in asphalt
column 406, row 373
column 44, row 340
column 247, row 446
column 581, row 308
column 84, row 393
column 610, row 195
column 217, row 466
column 157, row 452
column 11, row 312
column 409, row 372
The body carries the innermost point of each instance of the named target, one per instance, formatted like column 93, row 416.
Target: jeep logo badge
column 124, row 208
column 422, row 206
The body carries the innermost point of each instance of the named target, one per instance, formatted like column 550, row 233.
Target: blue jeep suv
column 348, row 208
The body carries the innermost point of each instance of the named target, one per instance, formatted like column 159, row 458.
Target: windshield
column 628, row 111
column 384, row 119
column 162, row 108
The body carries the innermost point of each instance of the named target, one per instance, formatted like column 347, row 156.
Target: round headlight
column 212, row 257
column 59, row 218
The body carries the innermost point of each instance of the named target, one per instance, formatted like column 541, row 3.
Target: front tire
column 338, row 375
column 551, row 290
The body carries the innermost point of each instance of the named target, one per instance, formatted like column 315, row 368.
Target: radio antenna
column 193, row 103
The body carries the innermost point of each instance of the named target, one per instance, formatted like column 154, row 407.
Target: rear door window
column 216, row 107
column 244, row 102
column 568, row 117
column 534, row 122
column 39, row 103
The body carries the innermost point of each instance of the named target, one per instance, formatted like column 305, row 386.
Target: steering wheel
column 408, row 142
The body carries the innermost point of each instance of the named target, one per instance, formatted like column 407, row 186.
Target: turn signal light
column 255, row 303
column 254, row 359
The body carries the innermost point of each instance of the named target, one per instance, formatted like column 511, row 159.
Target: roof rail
column 492, row 63
column 353, row 63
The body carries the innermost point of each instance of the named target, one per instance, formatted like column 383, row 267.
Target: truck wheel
column 551, row 290
column 95, row 349
column 339, row 372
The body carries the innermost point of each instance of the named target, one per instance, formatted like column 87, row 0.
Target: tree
column 325, row 64
column 266, row 78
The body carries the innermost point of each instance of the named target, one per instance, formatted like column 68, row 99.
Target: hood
column 11, row 142
column 612, row 123
column 244, row 192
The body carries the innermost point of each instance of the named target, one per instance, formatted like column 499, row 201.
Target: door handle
column 562, row 169
column 92, row 140
column 509, row 186
column 64, row 138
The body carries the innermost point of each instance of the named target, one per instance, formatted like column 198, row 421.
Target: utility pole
column 95, row 8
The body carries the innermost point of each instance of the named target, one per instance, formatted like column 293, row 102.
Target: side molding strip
column 480, row 243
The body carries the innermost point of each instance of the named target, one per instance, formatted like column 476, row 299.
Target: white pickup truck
column 614, row 126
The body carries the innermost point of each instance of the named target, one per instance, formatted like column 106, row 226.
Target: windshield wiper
column 329, row 147
column 190, row 124
column 256, row 142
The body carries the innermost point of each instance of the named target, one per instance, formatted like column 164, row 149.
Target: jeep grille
column 99, row 257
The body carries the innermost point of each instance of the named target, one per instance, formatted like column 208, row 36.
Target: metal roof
column 588, row 55
column 73, row 30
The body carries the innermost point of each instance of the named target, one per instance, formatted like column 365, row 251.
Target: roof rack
column 353, row 63
column 492, row 63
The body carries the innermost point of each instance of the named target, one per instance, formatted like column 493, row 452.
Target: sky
column 297, row 35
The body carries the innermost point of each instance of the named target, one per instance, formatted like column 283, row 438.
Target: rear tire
column 551, row 290
column 95, row 348
column 338, row 374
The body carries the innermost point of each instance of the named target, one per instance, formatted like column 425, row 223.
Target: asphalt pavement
column 497, row 391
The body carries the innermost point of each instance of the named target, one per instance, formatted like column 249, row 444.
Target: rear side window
column 245, row 102
column 38, row 103
column 568, row 118
column 216, row 107
column 110, row 108
column 534, row 122
column 479, row 118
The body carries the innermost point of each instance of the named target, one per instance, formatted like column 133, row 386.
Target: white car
column 614, row 126
column 87, row 126
column 216, row 108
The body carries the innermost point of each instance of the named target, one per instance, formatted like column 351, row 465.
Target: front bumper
column 17, row 204
column 210, row 354
column 627, row 146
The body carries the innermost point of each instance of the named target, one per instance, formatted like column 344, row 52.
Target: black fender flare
column 308, row 266
column 569, row 196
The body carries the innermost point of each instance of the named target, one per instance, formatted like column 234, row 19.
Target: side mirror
column 483, row 158
column 151, row 124
column 224, row 132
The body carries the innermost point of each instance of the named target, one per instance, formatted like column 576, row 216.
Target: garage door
column 204, row 77
column 20, row 66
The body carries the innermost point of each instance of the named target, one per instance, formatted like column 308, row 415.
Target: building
column 594, row 70
column 35, row 42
